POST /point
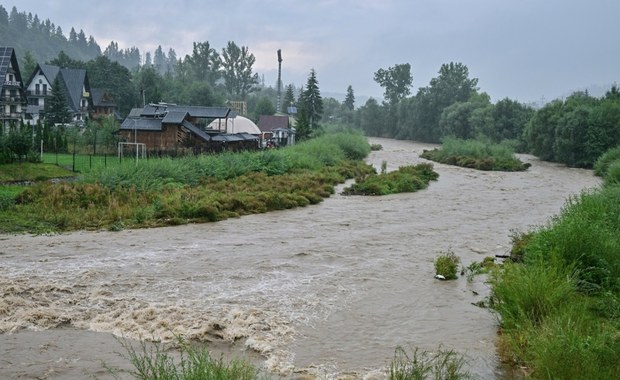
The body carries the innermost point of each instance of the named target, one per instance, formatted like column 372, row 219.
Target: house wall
column 165, row 139
column 11, row 97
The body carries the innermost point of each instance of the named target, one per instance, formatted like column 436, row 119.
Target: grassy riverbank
column 195, row 189
column 560, row 306
column 475, row 154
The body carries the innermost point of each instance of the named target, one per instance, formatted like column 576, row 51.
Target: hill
column 44, row 40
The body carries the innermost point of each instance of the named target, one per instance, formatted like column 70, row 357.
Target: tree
column 171, row 61
column 457, row 119
column 451, row 86
column 264, row 107
column 56, row 105
column 66, row 62
column 236, row 69
column 147, row 59
column 371, row 118
column 28, row 64
column 289, row 98
column 204, row 62
column 104, row 73
column 396, row 82
column 4, row 16
column 349, row 100
column 159, row 60
column 311, row 102
column 148, row 84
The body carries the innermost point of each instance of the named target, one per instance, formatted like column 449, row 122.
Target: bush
column 605, row 160
column 446, row 265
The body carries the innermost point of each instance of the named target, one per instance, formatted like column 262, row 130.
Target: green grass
column 422, row 365
column 193, row 363
column 162, row 192
column 26, row 171
column 406, row 179
column 559, row 307
column 476, row 154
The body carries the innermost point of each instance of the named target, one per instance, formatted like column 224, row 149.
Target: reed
column 476, row 154
column 194, row 363
column 422, row 365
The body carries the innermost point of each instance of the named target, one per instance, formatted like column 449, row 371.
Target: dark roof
column 9, row 60
column 134, row 113
column 271, row 122
column 49, row 71
column 226, row 137
column 195, row 130
column 102, row 98
column 141, row 124
column 205, row 112
column 153, row 110
column 76, row 82
column 174, row 117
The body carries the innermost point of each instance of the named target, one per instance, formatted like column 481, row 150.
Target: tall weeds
column 476, row 154
column 560, row 308
column 193, row 189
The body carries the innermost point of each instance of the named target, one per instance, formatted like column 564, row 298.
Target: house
column 276, row 130
column 103, row 104
column 168, row 128
column 75, row 85
column 12, row 96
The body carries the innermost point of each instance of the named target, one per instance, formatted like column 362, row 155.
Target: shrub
column 605, row 160
column 446, row 265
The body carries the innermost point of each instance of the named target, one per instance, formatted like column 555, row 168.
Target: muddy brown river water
column 328, row 290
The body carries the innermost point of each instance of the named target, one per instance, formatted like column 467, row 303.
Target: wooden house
column 171, row 129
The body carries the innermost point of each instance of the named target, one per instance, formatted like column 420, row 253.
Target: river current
column 326, row 291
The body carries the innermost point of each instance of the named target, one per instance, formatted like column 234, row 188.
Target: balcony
column 12, row 83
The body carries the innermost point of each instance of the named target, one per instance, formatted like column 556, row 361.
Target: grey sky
column 521, row 49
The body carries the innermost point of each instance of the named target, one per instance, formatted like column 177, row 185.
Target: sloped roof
column 102, row 98
column 49, row 71
column 75, row 81
column 195, row 130
column 153, row 110
column 270, row 122
column 174, row 117
column 9, row 60
column 141, row 124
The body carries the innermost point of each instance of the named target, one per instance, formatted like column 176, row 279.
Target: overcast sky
column 522, row 49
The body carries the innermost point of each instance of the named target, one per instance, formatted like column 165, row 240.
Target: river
column 325, row 291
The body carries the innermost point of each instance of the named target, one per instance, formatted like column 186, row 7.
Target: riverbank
column 328, row 289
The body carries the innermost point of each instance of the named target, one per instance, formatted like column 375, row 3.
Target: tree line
column 574, row 131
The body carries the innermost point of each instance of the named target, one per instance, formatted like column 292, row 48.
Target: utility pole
column 278, row 109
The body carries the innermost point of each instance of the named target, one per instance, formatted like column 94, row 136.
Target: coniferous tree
column 311, row 102
column 289, row 98
column 56, row 105
column 349, row 101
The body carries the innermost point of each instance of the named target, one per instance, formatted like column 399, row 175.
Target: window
column 44, row 89
column 37, row 89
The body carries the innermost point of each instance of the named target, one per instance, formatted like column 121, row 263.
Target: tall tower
column 278, row 108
